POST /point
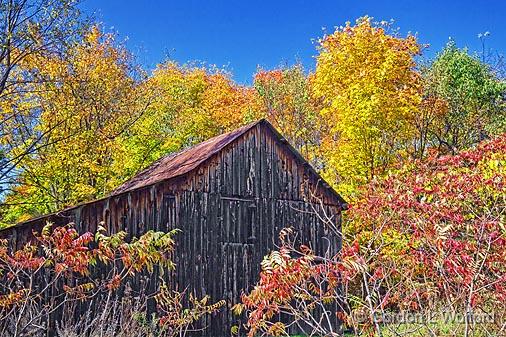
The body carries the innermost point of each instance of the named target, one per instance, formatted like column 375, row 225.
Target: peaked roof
column 182, row 162
column 186, row 160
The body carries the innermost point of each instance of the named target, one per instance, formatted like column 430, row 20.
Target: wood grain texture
column 230, row 209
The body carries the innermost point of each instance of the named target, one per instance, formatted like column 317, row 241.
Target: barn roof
column 182, row 162
column 187, row 160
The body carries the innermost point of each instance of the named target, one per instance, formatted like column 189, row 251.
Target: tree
column 367, row 80
column 286, row 101
column 192, row 104
column 29, row 29
column 474, row 97
column 93, row 95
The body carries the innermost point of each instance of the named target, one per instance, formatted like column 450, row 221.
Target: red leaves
column 61, row 254
column 23, row 259
column 67, row 250
column 284, row 279
column 450, row 209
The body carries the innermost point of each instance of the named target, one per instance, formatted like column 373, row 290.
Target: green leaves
column 474, row 95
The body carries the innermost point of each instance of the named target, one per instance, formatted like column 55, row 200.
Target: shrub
column 80, row 285
column 429, row 239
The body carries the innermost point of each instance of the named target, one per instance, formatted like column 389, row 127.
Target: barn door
column 238, row 233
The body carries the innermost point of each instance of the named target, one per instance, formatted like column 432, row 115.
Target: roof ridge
column 168, row 166
column 147, row 177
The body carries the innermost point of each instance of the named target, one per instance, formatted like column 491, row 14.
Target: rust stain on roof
column 185, row 161
column 182, row 162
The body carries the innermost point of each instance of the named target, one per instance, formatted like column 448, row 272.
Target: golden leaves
column 82, row 102
column 367, row 80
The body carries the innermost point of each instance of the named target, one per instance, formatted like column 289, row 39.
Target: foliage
column 100, row 121
column 286, row 101
column 426, row 234
column 366, row 77
column 60, row 263
column 92, row 97
column 29, row 29
column 192, row 104
column 175, row 318
column 127, row 315
column 474, row 96
column 60, row 269
column 88, row 117
column 440, row 220
column 428, row 239
column 305, row 289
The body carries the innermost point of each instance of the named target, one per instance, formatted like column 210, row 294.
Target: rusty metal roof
column 182, row 162
column 186, row 160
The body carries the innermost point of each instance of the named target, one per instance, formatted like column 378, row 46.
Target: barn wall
column 230, row 211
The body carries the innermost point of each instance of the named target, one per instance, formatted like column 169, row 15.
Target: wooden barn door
column 237, row 230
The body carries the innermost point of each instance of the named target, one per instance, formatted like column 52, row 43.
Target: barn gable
column 230, row 196
column 183, row 162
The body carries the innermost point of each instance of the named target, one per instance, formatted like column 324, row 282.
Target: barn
column 230, row 196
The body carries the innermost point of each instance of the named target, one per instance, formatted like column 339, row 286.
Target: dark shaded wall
column 230, row 211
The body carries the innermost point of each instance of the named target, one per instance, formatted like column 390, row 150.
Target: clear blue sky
column 242, row 35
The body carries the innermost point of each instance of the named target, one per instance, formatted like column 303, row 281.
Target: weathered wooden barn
column 230, row 196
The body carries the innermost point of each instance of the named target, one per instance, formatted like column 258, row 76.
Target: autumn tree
column 193, row 103
column 440, row 223
column 286, row 101
column 29, row 29
column 366, row 77
column 92, row 97
column 473, row 98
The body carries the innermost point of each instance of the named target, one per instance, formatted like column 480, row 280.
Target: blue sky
column 242, row 35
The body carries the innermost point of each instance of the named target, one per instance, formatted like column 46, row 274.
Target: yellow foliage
column 371, row 91
column 191, row 104
column 81, row 102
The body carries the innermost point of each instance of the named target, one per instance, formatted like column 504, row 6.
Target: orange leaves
column 227, row 103
column 277, row 329
column 81, row 102
column 114, row 283
column 13, row 298
column 198, row 103
column 189, row 104
column 25, row 259
column 66, row 249
column 264, row 77
column 61, row 254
